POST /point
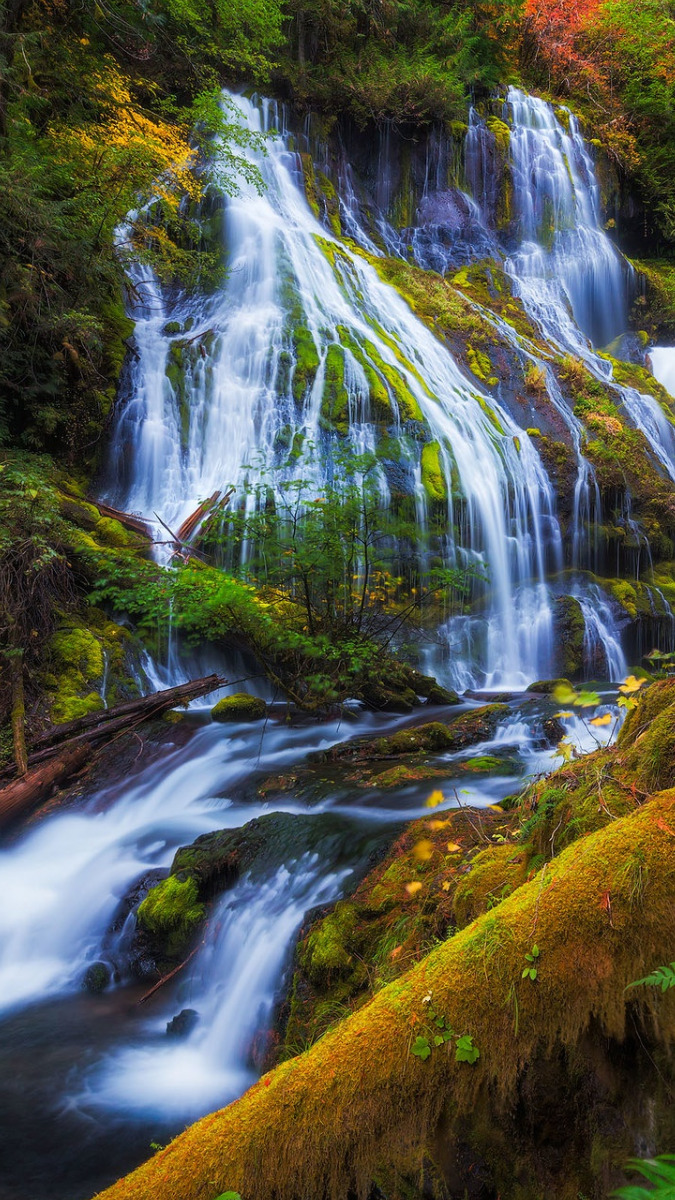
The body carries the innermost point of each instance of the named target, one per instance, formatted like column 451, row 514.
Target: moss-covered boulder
column 171, row 913
column 240, row 707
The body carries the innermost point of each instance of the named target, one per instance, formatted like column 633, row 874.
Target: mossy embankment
column 358, row 1108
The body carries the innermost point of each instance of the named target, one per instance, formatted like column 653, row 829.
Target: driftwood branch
column 165, row 978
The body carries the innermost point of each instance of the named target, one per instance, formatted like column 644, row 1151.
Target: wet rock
column 570, row 627
column 545, row 687
column 240, row 707
column 97, row 978
column 479, row 725
column 183, row 1023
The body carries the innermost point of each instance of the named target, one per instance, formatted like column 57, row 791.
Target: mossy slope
column 357, row 1103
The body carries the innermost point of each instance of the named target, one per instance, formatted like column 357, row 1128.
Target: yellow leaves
column 605, row 719
column 436, row 825
column 121, row 143
column 563, row 716
column 446, row 886
column 413, row 888
column 423, row 850
column 454, row 847
column 631, row 685
column 435, row 799
column 565, row 750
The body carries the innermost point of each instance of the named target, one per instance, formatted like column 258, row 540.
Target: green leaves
column 229, row 1196
column 530, row 972
column 466, row 1051
column 663, row 977
column 657, row 1171
column 421, row 1047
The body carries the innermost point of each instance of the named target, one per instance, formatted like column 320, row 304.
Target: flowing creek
column 90, row 1081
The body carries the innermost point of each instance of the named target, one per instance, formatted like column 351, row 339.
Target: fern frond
column 663, row 977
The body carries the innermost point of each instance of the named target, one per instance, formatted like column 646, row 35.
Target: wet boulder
column 240, row 707
column 478, row 725
column 97, row 977
column 183, row 1023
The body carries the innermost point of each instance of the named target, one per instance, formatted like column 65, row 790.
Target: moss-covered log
column 359, row 1107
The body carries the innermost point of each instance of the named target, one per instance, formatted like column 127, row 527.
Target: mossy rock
column 335, row 399
column 546, row 687
column 478, row 725
column 433, row 476
column 172, row 914
column 570, row 628
column 240, row 707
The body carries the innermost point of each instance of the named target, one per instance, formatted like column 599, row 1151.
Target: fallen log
column 164, row 700
column 206, row 508
column 135, row 524
column 25, row 793
column 53, row 764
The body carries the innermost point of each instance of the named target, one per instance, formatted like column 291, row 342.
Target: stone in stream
column 240, row 707
column 183, row 1023
column 97, row 977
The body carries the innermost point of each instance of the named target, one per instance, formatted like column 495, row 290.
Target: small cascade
column 603, row 654
column 303, row 338
column 663, row 366
column 569, row 275
column 233, row 982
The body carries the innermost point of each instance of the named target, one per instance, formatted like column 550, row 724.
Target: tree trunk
column 18, row 712
column 23, row 795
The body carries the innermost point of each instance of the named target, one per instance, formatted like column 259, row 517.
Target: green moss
column 433, row 477
column 481, row 366
column 325, row 954
column 570, row 629
column 491, row 415
column 77, row 661
column 306, row 362
column 655, row 310
column 493, row 875
column 239, row 707
column 172, row 913
column 335, row 399
column 501, row 133
column 110, row 533
column 331, row 201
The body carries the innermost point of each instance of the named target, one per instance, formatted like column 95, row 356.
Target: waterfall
column 255, row 361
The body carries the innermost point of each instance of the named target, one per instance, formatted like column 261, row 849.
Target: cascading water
column 297, row 308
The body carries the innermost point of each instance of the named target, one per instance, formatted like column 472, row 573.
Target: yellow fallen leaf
column 564, row 716
column 412, row 888
column 495, row 807
column 435, row 799
column 423, row 850
column 603, row 720
column 630, row 685
column 446, row 886
column 435, row 825
column 453, row 847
